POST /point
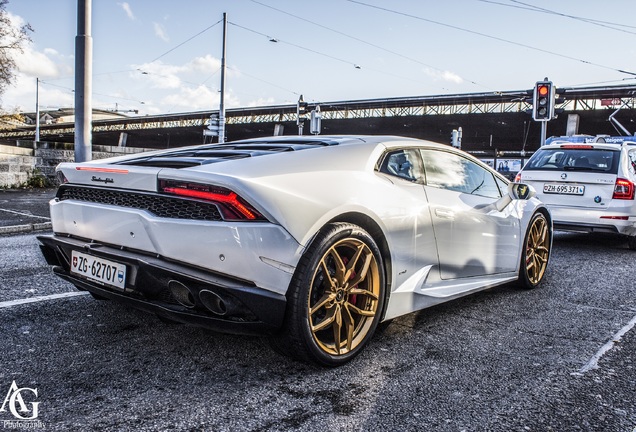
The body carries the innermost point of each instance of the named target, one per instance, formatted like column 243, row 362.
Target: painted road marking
column 18, row 302
column 593, row 363
column 25, row 214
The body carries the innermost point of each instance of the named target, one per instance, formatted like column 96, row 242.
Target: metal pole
column 37, row 111
column 544, row 132
column 83, row 82
column 222, row 101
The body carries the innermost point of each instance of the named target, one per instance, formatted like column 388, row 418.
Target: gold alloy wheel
column 537, row 249
column 344, row 296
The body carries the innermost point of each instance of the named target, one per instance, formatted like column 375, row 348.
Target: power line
column 356, row 65
column 295, row 45
column 360, row 40
column 187, row 40
column 489, row 36
column 533, row 8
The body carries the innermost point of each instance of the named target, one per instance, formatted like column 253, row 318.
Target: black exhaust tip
column 181, row 294
column 213, row 302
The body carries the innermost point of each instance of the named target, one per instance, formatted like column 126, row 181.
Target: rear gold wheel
column 344, row 296
column 336, row 297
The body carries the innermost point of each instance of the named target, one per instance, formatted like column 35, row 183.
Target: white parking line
column 593, row 363
column 11, row 303
column 25, row 214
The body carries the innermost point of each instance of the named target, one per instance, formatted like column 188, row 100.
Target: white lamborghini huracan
column 310, row 240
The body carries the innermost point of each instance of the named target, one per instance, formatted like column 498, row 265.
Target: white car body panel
column 299, row 192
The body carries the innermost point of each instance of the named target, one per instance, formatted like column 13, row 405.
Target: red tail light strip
column 230, row 199
column 102, row 170
column 230, row 205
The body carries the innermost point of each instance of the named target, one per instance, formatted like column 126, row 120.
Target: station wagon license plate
column 98, row 269
column 563, row 189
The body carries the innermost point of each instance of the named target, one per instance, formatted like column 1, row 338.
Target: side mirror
column 516, row 191
column 521, row 191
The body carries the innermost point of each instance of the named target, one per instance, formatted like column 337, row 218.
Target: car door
column 473, row 238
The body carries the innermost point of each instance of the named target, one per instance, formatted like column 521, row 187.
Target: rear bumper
column 173, row 290
column 582, row 220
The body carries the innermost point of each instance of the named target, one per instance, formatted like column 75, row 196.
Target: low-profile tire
column 631, row 242
column 335, row 298
column 536, row 252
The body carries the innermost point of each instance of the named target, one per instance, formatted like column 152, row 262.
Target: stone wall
column 17, row 164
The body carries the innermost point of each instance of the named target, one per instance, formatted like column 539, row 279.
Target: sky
column 161, row 56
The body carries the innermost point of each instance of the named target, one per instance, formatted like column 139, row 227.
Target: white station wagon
column 587, row 187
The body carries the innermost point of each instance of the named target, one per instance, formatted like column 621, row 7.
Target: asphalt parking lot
column 559, row 358
column 24, row 210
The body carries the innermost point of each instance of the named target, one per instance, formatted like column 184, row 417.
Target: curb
column 25, row 228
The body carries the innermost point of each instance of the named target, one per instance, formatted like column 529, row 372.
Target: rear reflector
column 615, row 217
column 231, row 206
column 623, row 190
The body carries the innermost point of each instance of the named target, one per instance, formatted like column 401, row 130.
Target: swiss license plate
column 98, row 269
column 563, row 189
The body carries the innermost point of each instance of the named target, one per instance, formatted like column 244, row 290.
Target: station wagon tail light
column 623, row 190
column 231, row 206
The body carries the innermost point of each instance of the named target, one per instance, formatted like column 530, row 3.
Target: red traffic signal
column 543, row 101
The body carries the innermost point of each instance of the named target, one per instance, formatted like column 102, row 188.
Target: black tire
column 536, row 252
column 329, row 320
column 631, row 242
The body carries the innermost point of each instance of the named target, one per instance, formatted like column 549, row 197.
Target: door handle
column 446, row 214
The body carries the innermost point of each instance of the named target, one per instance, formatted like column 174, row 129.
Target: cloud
column 158, row 74
column 160, row 32
column 192, row 99
column 126, row 7
column 36, row 64
column 166, row 76
column 31, row 62
column 444, row 76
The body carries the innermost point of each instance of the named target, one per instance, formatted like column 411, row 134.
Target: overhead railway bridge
column 494, row 121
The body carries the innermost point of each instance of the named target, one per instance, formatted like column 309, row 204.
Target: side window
column 404, row 164
column 453, row 172
column 632, row 160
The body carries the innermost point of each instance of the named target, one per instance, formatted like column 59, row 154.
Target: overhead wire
column 362, row 41
column 355, row 65
column 533, row 8
column 606, row 24
column 408, row 15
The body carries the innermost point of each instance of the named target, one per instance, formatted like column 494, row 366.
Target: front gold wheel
column 344, row 296
column 537, row 251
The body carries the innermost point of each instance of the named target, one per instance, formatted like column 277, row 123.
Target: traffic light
column 214, row 127
column 543, row 101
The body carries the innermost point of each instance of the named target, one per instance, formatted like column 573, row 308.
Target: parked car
column 588, row 187
column 310, row 240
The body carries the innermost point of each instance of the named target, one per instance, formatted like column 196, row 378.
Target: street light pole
column 37, row 110
column 222, row 101
column 83, row 83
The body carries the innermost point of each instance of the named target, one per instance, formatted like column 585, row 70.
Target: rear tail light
column 518, row 178
column 623, row 190
column 231, row 206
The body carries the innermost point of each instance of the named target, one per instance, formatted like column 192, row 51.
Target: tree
column 12, row 40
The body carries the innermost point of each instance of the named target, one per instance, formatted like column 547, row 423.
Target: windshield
column 563, row 159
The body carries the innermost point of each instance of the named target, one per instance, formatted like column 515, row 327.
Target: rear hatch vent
column 213, row 153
